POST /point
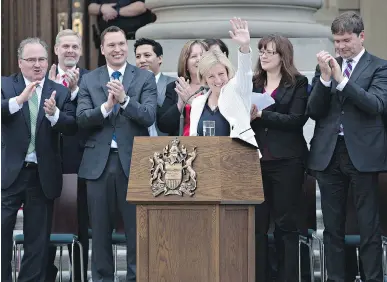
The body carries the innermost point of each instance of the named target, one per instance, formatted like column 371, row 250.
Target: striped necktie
column 64, row 82
column 348, row 69
column 34, row 108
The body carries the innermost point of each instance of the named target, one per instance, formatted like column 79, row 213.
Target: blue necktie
column 116, row 75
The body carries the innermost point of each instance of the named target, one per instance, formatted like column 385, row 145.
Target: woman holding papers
column 279, row 132
column 228, row 100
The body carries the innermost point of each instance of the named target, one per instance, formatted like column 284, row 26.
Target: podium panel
column 204, row 243
column 204, row 234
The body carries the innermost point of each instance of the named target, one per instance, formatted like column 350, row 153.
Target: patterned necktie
column 348, row 69
column 34, row 107
column 64, row 82
column 116, row 75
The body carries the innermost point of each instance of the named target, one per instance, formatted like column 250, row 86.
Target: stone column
column 375, row 23
column 180, row 20
column 186, row 19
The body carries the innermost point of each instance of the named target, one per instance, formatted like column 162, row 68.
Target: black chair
column 64, row 227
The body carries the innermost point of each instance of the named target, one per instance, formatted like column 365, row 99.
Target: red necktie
column 64, row 82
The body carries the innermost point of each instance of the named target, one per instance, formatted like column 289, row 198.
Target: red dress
column 187, row 120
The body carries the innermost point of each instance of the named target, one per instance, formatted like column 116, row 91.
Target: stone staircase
column 121, row 261
column 122, row 252
column 121, row 266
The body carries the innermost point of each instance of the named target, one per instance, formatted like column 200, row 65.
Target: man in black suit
column 349, row 145
column 68, row 48
column 116, row 102
column 149, row 56
column 34, row 112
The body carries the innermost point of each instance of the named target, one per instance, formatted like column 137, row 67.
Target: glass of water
column 209, row 128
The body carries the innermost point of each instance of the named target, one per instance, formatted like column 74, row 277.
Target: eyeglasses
column 268, row 53
column 33, row 61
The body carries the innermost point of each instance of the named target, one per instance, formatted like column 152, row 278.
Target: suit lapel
column 279, row 95
column 161, row 85
column 359, row 69
column 19, row 85
column 126, row 81
column 361, row 66
column 196, row 112
column 104, row 79
column 128, row 77
column 46, row 93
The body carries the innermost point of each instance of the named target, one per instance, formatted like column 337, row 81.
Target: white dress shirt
column 342, row 84
column 103, row 110
column 15, row 107
column 152, row 129
column 61, row 73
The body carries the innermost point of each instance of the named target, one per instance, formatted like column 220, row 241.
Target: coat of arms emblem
column 172, row 171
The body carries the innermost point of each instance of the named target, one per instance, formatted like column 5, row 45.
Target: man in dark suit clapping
column 68, row 48
column 34, row 112
column 116, row 102
column 349, row 145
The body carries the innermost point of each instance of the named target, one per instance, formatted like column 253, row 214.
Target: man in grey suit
column 149, row 56
column 115, row 103
column 349, row 146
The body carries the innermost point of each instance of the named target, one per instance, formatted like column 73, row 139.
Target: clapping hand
column 72, row 78
column 183, row 89
column 329, row 67
column 52, row 74
column 116, row 88
column 50, row 105
column 27, row 93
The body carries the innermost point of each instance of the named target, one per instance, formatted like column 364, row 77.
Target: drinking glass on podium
column 209, row 128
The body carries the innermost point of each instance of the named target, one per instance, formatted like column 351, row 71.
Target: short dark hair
column 214, row 41
column 157, row 48
column 349, row 22
column 112, row 28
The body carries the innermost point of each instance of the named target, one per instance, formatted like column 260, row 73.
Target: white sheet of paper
column 262, row 101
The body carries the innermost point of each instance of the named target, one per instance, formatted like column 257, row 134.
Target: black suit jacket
column 359, row 108
column 73, row 146
column 15, row 134
column 168, row 116
column 280, row 128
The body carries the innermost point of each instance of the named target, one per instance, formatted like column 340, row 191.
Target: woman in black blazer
column 279, row 134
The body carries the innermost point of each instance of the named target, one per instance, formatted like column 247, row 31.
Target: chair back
column 65, row 215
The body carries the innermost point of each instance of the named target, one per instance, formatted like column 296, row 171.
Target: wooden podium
column 206, row 237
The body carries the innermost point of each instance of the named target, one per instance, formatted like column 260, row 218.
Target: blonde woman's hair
column 210, row 59
column 67, row 32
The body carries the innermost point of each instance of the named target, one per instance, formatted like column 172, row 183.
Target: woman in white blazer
column 228, row 100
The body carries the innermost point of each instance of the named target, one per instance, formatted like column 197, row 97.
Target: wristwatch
column 125, row 100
